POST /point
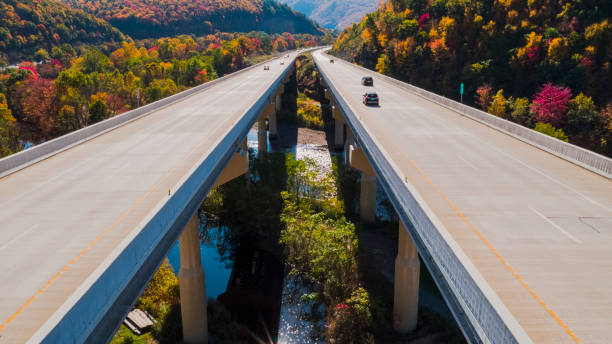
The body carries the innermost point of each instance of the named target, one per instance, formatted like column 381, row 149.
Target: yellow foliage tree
column 557, row 49
column 498, row 105
column 6, row 123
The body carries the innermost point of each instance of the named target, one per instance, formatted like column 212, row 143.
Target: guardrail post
column 191, row 285
column 406, row 293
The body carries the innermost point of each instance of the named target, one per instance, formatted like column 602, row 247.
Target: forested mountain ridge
column 546, row 64
column 27, row 26
column 334, row 14
column 152, row 18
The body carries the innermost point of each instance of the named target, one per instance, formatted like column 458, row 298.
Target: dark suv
column 367, row 81
column 370, row 98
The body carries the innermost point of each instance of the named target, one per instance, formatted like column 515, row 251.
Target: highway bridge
column 515, row 227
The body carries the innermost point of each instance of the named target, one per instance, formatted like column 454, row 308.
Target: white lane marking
column 546, row 175
column 569, row 235
column 8, row 243
column 468, row 163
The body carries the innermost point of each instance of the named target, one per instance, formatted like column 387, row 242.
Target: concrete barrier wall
column 20, row 160
column 95, row 311
column 482, row 317
column 587, row 159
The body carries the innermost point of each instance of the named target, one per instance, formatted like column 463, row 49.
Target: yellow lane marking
column 483, row 239
column 106, row 231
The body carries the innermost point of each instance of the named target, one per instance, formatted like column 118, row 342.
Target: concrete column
column 262, row 135
column 406, row 298
column 339, row 126
column 191, row 285
column 273, row 125
column 367, row 198
column 339, row 133
column 279, row 102
column 348, row 149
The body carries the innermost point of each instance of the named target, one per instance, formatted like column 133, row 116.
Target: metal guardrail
column 94, row 312
column 587, row 159
column 480, row 314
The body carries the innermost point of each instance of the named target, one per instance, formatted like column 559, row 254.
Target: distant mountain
column 154, row 18
column 29, row 25
column 334, row 14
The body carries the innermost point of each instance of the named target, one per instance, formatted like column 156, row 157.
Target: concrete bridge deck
column 65, row 220
column 534, row 231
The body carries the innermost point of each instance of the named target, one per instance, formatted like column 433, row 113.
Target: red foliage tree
column 36, row 97
column 551, row 103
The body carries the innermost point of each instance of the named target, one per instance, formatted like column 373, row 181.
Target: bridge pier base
column 191, row 285
column 406, row 289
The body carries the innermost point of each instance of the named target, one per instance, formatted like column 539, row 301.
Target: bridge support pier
column 367, row 197
column 338, row 127
column 191, row 285
column 238, row 166
column 406, row 289
column 262, row 136
column 350, row 142
column 273, row 126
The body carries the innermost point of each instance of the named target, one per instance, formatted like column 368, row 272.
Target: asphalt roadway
column 536, row 227
column 61, row 217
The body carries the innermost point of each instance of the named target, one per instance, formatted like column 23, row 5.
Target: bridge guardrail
column 483, row 318
column 25, row 158
column 587, row 159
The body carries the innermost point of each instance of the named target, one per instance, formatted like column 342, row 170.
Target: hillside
column 153, row 18
column 334, row 14
column 29, row 25
column 536, row 61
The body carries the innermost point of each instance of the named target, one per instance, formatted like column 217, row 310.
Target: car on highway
column 282, row 63
column 370, row 98
column 367, row 81
column 266, row 67
column 331, row 61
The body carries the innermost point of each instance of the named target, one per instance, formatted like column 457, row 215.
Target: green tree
column 98, row 111
column 519, row 111
column 582, row 116
column 67, row 121
column 549, row 130
column 95, row 61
